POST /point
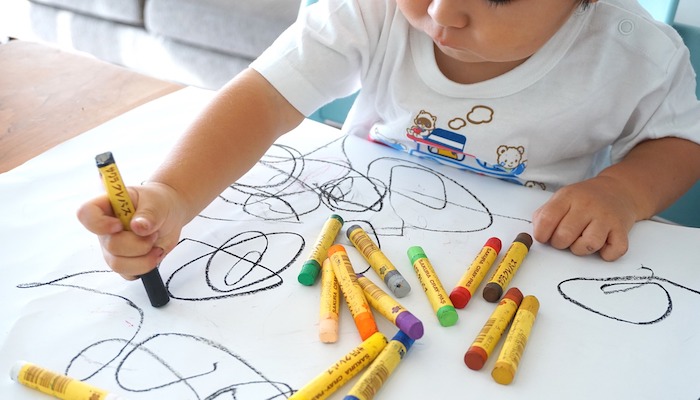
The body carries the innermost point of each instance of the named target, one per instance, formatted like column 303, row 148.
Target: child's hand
column 589, row 216
column 155, row 228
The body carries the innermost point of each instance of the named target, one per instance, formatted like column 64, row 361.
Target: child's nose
column 449, row 13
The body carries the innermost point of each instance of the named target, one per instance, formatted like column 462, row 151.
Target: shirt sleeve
column 321, row 56
column 674, row 109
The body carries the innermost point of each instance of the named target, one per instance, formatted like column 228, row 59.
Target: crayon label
column 325, row 239
column 510, row 264
column 516, row 340
column 351, row 291
column 495, row 326
column 376, row 259
column 57, row 385
column 330, row 292
column 431, row 284
column 328, row 381
column 476, row 273
column 380, row 370
column 381, row 301
column 118, row 195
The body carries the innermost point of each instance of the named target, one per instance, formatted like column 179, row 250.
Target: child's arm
column 597, row 214
column 223, row 143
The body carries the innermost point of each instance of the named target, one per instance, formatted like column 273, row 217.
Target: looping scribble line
column 620, row 285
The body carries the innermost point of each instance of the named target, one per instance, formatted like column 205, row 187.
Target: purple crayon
column 390, row 308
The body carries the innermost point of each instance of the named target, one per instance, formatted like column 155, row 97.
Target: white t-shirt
column 609, row 79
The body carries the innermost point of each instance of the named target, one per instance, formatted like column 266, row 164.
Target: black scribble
column 657, row 296
column 250, row 249
column 289, row 185
column 202, row 367
column 249, row 262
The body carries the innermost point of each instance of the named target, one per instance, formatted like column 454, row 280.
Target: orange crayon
column 352, row 291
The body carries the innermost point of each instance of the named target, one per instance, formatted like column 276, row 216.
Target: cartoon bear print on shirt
column 510, row 161
column 448, row 144
column 510, row 158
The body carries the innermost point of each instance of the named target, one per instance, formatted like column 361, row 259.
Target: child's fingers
column 97, row 217
column 592, row 239
column 127, row 244
column 545, row 221
column 132, row 267
column 616, row 245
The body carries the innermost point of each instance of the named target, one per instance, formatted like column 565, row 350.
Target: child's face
column 488, row 30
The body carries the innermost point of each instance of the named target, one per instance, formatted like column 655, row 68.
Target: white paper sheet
column 239, row 325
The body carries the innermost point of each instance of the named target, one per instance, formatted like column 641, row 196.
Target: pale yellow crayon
column 330, row 304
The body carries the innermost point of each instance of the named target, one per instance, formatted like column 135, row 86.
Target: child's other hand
column 155, row 228
column 589, row 216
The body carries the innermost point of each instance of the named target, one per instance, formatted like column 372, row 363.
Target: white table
column 239, row 321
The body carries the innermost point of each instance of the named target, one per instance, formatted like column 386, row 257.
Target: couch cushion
column 126, row 11
column 242, row 27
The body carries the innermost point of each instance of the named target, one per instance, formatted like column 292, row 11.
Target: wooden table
column 48, row 96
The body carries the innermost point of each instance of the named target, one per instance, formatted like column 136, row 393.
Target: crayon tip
column 460, row 296
column 309, row 272
column 503, row 373
column 447, row 315
column 410, row 325
column 494, row 243
column 328, row 330
column 475, row 358
column 492, row 292
column 525, row 239
column 366, row 325
column 397, row 283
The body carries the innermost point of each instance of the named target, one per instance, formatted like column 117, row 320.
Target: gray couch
column 196, row 42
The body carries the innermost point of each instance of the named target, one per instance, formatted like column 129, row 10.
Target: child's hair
column 584, row 3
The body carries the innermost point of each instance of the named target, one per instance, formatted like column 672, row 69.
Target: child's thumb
column 147, row 220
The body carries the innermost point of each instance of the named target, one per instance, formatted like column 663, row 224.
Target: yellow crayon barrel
column 381, row 368
column 329, row 309
column 497, row 284
column 439, row 300
column 57, row 385
column 472, row 277
column 378, row 261
column 338, row 374
column 390, row 308
column 509, row 358
column 352, row 291
column 493, row 329
column 319, row 252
